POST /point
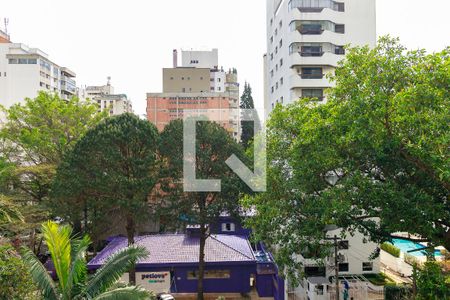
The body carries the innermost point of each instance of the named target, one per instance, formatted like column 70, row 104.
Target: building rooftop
column 182, row 249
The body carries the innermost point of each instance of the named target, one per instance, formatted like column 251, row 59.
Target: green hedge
column 391, row 249
column 397, row 292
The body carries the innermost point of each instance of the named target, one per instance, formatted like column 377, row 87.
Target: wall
column 162, row 108
column 204, row 59
column 239, row 281
column 186, row 80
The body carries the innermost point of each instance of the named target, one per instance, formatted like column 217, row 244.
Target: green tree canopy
column 110, row 173
column 34, row 137
column 374, row 158
column 248, row 127
column 213, row 147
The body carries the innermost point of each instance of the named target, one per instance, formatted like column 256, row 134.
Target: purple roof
column 181, row 248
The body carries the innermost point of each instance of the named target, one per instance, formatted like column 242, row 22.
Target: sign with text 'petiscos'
column 157, row 282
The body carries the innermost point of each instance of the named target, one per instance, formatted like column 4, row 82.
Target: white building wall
column 20, row 81
column 359, row 19
column 200, row 59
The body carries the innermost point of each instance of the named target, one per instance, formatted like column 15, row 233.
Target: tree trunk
column 201, row 262
column 131, row 229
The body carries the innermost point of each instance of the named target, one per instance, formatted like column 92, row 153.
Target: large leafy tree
column 248, row 127
column 68, row 255
column 34, row 137
column 213, row 147
column 109, row 174
column 374, row 158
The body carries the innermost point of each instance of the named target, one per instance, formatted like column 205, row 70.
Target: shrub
column 397, row 292
column 391, row 249
column 15, row 280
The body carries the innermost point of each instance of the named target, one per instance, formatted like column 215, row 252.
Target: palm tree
column 8, row 213
column 69, row 258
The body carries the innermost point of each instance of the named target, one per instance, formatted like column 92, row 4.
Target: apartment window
column 339, row 28
column 219, row 88
column 228, row 227
column 271, row 73
column 276, row 67
column 312, row 73
column 271, row 39
column 281, row 80
column 23, row 61
column 343, row 267
column 273, row 89
column 312, row 28
column 281, row 24
column 201, row 78
column 339, row 50
column 276, row 32
column 282, row 99
column 315, row 272
column 189, row 78
column 281, row 62
column 276, row 85
column 12, row 61
column 311, row 51
column 182, row 78
column 183, row 90
column 271, row 22
column 271, row 56
column 312, row 93
column 367, row 266
column 276, row 50
column 210, row 274
column 218, row 79
column 343, row 245
column 281, row 43
column 32, row 61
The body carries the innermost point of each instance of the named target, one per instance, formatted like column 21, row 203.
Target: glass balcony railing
column 316, row 5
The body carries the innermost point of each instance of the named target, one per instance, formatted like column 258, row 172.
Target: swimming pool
column 405, row 246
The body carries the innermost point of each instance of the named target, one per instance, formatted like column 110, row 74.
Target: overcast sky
column 131, row 41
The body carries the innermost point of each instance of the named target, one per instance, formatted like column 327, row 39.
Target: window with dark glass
column 312, row 73
column 311, row 51
column 367, row 266
column 339, row 50
column 343, row 245
column 314, row 28
column 315, row 271
column 312, row 93
column 343, row 267
column 339, row 28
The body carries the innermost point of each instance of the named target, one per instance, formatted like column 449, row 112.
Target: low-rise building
column 356, row 259
column 106, row 99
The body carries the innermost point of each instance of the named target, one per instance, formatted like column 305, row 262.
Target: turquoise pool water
column 405, row 246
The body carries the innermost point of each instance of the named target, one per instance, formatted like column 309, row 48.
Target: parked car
column 164, row 296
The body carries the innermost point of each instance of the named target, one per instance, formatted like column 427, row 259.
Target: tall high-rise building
column 25, row 71
column 305, row 41
column 197, row 85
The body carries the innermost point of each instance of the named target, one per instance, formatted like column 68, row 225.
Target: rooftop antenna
column 6, row 22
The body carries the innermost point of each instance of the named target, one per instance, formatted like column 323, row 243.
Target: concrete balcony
column 296, row 81
column 326, row 37
column 327, row 59
column 326, row 14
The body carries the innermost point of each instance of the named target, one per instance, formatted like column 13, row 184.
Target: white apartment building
column 355, row 260
column 103, row 95
column 25, row 71
column 305, row 41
